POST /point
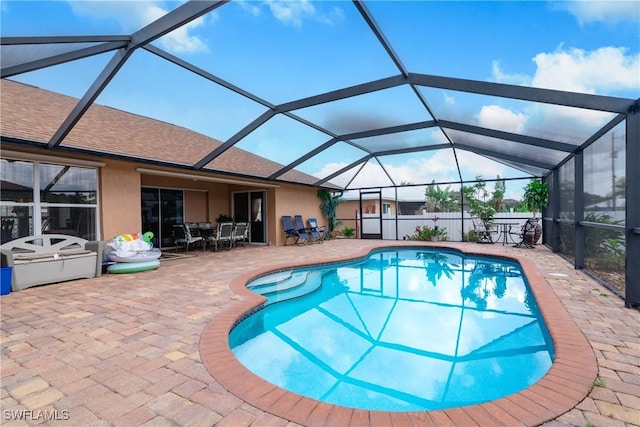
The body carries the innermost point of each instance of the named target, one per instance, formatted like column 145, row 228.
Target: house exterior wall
column 295, row 200
column 348, row 208
column 346, row 213
column 119, row 207
column 119, row 202
column 204, row 200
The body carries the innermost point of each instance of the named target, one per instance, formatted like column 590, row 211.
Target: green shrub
column 348, row 231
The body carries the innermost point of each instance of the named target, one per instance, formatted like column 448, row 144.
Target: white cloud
column 434, row 166
column 448, row 99
column 496, row 117
column 294, row 13
column 179, row 40
column 604, row 70
column 609, row 12
column 501, row 77
column 291, row 12
column 249, row 6
column 419, row 169
column 132, row 16
column 473, row 165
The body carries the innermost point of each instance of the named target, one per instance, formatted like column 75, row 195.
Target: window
column 386, row 208
column 39, row 197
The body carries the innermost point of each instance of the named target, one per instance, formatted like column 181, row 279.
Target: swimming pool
column 402, row 330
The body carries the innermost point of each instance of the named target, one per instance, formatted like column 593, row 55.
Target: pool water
column 402, row 330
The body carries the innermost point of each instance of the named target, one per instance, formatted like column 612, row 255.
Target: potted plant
column 224, row 218
column 348, row 232
column 536, row 198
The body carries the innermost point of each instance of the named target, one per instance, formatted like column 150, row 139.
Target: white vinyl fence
column 451, row 221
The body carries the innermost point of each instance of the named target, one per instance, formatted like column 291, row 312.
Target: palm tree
column 439, row 200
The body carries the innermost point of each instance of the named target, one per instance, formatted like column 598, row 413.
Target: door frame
column 364, row 235
column 251, row 222
column 159, row 237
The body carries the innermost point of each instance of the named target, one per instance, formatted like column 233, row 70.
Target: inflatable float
column 141, row 256
column 133, row 267
column 132, row 253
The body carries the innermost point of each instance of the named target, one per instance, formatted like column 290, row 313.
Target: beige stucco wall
column 286, row 199
column 347, row 209
column 119, row 199
column 295, row 200
column 203, row 200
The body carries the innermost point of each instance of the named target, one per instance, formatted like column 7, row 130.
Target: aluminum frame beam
column 390, row 130
column 303, row 159
column 10, row 41
column 525, row 93
column 62, row 58
column 632, row 213
column 347, row 92
column 593, row 138
column 344, row 169
column 205, row 74
column 499, row 155
column 90, row 96
column 256, row 123
column 183, row 14
column 413, row 150
column 178, row 17
column 523, row 139
column 382, row 39
column 373, row 26
column 356, row 135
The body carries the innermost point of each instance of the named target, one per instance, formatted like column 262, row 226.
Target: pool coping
column 568, row 381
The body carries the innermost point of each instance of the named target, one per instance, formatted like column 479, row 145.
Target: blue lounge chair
column 318, row 233
column 290, row 231
column 303, row 232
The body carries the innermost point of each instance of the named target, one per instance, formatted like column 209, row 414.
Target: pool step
column 268, row 280
column 280, row 283
column 312, row 281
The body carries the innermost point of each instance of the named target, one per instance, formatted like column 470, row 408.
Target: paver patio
column 124, row 350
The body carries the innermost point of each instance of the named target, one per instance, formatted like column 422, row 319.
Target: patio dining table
column 505, row 227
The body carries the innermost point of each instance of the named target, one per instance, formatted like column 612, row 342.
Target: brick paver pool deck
column 147, row 349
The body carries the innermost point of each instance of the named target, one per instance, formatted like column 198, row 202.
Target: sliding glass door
column 250, row 207
column 161, row 210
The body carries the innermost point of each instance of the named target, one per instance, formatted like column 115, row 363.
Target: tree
column 536, row 196
column 497, row 199
column 329, row 206
column 439, row 200
column 478, row 202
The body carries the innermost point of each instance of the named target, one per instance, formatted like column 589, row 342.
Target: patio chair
column 241, row 233
column 484, row 234
column 182, row 237
column 318, row 233
column 525, row 237
column 291, row 232
column 207, row 232
column 193, row 228
column 304, row 233
column 224, row 235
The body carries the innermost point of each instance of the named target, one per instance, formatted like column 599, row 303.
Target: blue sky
column 286, row 50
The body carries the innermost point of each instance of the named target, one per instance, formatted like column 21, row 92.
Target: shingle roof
column 34, row 114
